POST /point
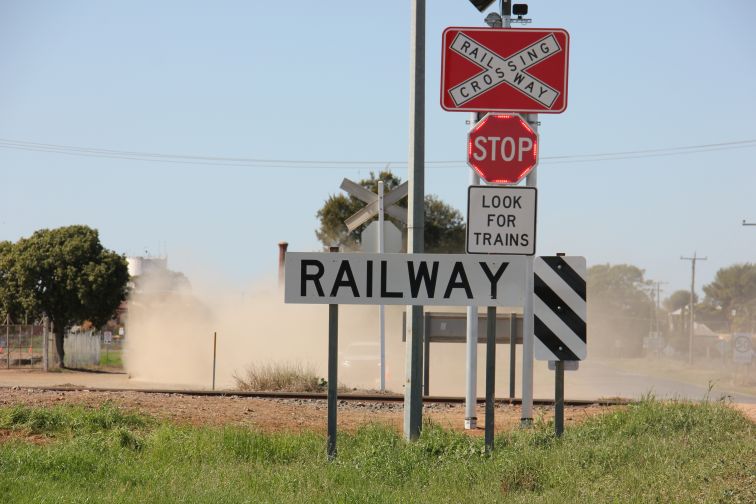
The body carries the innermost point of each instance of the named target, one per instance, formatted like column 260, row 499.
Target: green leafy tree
column 734, row 288
column 620, row 310
column 67, row 274
column 444, row 225
column 679, row 299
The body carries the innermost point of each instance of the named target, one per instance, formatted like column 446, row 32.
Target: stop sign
column 502, row 148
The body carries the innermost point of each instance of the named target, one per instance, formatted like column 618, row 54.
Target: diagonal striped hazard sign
column 559, row 308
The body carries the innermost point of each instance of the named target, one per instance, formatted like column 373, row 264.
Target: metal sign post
column 559, row 398
column 490, row 375
column 333, row 370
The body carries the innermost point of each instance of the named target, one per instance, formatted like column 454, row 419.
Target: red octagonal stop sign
column 502, row 148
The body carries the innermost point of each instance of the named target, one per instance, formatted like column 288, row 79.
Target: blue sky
column 328, row 81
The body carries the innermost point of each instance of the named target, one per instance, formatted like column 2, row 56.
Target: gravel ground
column 272, row 415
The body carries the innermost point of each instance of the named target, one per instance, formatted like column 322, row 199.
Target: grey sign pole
column 558, row 397
column 490, row 375
column 333, row 367
column 413, row 399
column 526, row 414
column 471, row 368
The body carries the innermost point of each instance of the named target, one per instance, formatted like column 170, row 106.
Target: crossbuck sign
column 504, row 70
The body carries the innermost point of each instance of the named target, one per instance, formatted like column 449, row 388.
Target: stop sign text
column 502, row 148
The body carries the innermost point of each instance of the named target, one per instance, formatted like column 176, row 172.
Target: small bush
column 280, row 377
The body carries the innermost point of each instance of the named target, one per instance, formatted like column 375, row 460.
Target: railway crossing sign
column 504, row 70
column 371, row 209
column 501, row 220
column 502, row 148
column 559, row 313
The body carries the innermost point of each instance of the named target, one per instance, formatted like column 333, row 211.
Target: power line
column 325, row 164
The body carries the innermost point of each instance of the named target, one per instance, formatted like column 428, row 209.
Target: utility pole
column 692, row 295
column 658, row 303
column 413, row 398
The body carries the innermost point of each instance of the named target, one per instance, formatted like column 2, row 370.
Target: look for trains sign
column 504, row 70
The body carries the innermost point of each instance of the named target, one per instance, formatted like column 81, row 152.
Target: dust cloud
column 169, row 343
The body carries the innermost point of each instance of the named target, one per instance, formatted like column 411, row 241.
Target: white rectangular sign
column 501, row 220
column 404, row 279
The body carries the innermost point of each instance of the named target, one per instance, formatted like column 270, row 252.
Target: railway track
column 347, row 396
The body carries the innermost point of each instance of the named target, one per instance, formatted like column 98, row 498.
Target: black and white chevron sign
column 559, row 308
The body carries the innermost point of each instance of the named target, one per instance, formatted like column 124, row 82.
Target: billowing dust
column 170, row 342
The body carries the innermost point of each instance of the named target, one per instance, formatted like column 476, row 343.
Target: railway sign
column 501, row 220
column 504, row 70
column 559, row 308
column 404, row 279
column 502, row 148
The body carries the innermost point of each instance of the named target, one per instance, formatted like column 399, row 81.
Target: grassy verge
column 111, row 359
column 649, row 452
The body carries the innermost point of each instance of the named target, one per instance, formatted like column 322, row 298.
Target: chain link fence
column 22, row 346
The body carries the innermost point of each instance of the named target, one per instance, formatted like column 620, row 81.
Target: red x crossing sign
column 504, row 70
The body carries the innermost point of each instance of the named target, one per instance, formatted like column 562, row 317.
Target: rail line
column 347, row 396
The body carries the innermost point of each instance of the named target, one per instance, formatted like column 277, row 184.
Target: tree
column 734, row 288
column 679, row 299
column 444, row 225
column 620, row 311
column 68, row 275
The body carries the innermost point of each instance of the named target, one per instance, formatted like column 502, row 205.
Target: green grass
column 111, row 358
column 648, row 452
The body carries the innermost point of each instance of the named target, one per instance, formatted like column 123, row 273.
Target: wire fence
column 22, row 346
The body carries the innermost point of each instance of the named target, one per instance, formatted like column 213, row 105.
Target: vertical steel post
column 7, row 338
column 333, row 368
column 512, row 353
column 381, row 308
column 526, row 415
column 215, row 340
column 490, row 375
column 471, row 391
column 558, row 397
column 413, row 400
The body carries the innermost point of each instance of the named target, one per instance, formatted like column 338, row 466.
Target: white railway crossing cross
column 498, row 69
column 559, row 308
column 371, row 209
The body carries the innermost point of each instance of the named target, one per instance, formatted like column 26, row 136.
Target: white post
column 381, row 308
column 471, row 393
column 526, row 415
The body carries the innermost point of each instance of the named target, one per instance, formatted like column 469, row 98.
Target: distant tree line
column 622, row 307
